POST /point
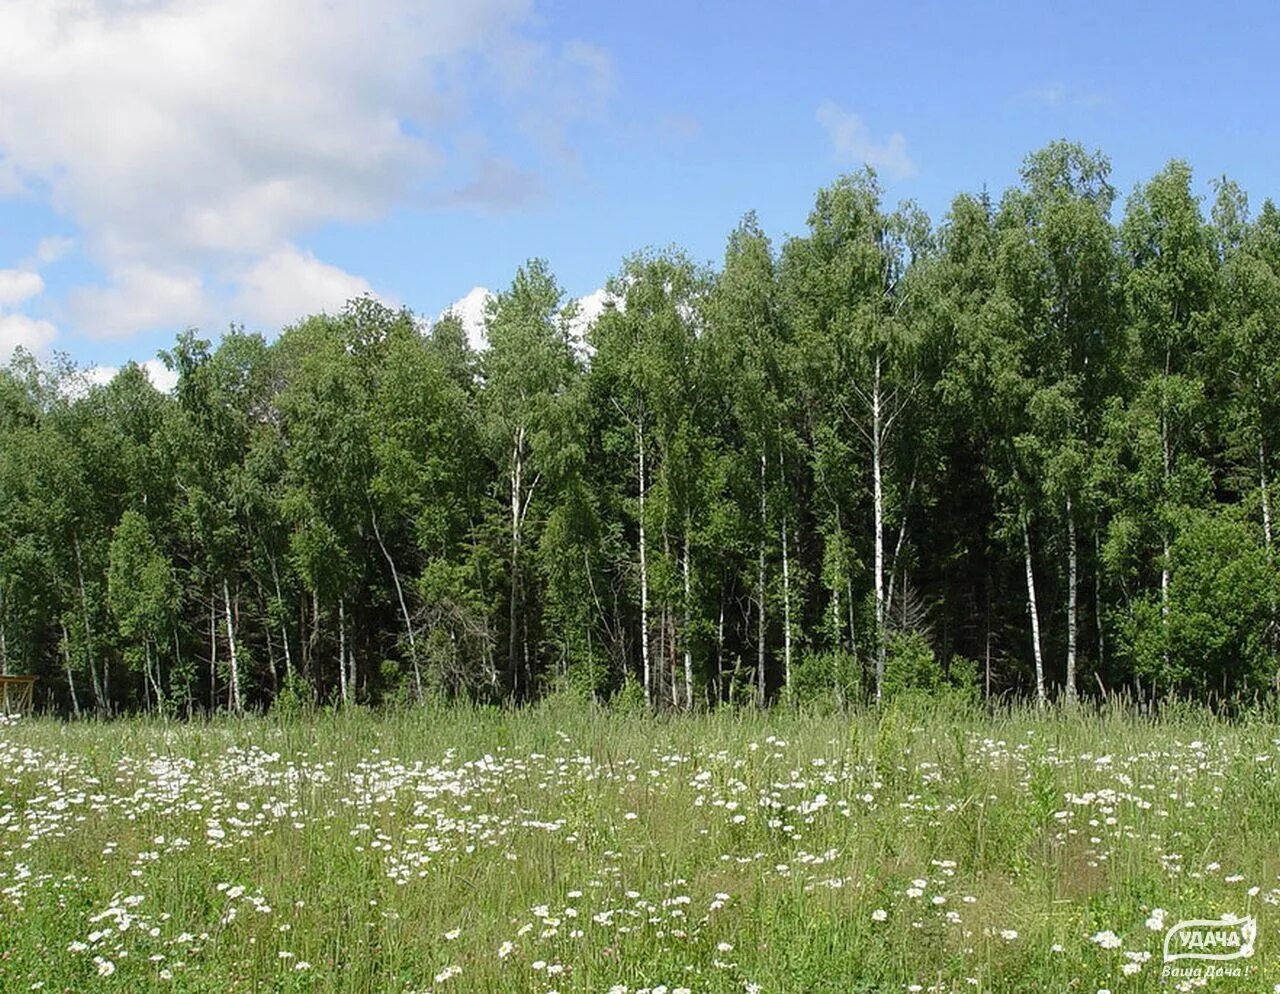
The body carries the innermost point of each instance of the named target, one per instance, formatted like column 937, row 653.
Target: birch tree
column 528, row 369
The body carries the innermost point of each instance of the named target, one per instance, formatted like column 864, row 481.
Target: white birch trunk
column 720, row 652
column 688, row 611
column 1035, row 614
column 94, row 682
column 1164, row 538
column 404, row 608
column 153, row 672
column 786, row 608
column 1266, row 495
column 760, row 624
column 878, row 501
column 513, row 617
column 1071, row 604
column 233, row 691
column 284, row 631
column 644, row 578
column 66, row 653
column 213, row 649
column 342, row 651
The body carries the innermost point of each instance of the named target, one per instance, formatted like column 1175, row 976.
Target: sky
column 167, row 164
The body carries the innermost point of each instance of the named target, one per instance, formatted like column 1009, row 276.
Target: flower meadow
column 568, row 849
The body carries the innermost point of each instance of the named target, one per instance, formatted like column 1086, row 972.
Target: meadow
column 569, row 849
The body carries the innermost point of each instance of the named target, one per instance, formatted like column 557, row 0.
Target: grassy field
column 563, row 849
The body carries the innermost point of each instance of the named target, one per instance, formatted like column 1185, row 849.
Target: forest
column 1025, row 452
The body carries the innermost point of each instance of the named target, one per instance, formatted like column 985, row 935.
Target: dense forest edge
column 1027, row 453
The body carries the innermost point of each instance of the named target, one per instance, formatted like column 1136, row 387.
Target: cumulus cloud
column 18, row 285
column 161, row 377
column 853, row 142
column 470, row 312
column 195, row 141
column 139, row 296
column 19, row 330
column 587, row 310
column 287, row 284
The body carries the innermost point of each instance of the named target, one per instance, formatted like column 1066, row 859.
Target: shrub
column 826, row 681
column 910, row 667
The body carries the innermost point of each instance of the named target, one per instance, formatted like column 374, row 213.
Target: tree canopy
column 1030, row 449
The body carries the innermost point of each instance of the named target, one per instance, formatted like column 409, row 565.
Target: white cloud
column 853, row 142
column 470, row 310
column 140, row 296
column 161, row 377
column 195, row 140
column 589, row 308
column 290, row 283
column 99, row 376
column 17, row 285
column 19, row 330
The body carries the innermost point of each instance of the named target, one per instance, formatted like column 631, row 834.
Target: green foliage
column 825, row 681
column 294, row 699
column 1218, row 634
column 910, row 667
column 629, row 699
column 1028, row 433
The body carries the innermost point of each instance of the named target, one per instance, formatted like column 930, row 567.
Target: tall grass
column 566, row 848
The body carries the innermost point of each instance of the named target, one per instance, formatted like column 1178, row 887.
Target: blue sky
column 166, row 163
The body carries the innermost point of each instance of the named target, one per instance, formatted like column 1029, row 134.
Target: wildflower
column 879, row 915
column 1107, row 939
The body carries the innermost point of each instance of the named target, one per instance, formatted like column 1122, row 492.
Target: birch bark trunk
column 1072, row 556
column 404, row 607
column 878, row 502
column 1031, row 607
column 233, row 691
column 644, row 576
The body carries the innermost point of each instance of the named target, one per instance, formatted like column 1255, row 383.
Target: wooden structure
column 16, row 694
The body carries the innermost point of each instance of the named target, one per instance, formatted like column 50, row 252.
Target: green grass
column 714, row 853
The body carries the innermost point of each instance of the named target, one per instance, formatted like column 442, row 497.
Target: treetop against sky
column 192, row 163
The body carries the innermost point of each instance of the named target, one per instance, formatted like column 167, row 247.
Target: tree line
column 1028, row 450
